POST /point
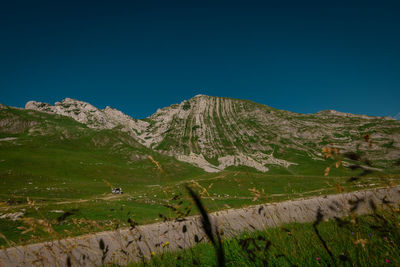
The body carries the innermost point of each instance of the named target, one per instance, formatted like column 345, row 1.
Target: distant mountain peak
column 88, row 114
column 71, row 100
column 200, row 95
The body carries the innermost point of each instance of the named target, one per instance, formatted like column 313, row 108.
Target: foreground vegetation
column 370, row 240
column 66, row 215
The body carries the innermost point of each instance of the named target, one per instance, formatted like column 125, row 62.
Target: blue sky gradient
column 137, row 58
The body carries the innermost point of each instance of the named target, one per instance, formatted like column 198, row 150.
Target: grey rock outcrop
column 89, row 115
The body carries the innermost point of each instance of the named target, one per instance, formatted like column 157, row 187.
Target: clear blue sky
column 137, row 58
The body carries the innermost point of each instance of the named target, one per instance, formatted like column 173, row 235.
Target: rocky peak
column 78, row 110
column 69, row 103
column 88, row 114
column 206, row 127
column 37, row 106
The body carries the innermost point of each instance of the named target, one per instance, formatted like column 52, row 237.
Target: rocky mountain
column 85, row 113
column 214, row 133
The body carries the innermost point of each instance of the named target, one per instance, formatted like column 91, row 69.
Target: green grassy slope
column 371, row 240
column 73, row 160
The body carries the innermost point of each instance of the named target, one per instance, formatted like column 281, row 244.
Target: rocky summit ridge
column 218, row 132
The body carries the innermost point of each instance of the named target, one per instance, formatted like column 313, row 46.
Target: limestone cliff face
column 216, row 132
column 78, row 110
column 93, row 117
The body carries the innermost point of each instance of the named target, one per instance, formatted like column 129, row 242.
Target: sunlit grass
column 355, row 241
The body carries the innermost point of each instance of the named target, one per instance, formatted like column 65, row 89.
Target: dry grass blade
column 317, row 221
column 207, row 226
column 205, row 220
column 67, row 214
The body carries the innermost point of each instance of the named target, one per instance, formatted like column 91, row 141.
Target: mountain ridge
column 214, row 133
